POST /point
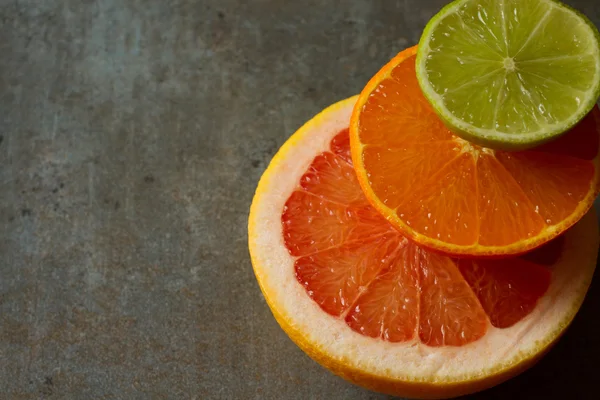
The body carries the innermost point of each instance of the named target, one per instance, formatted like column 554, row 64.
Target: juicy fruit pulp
column 357, row 267
column 460, row 198
column 304, row 266
column 510, row 73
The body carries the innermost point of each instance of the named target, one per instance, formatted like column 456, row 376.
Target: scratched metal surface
column 132, row 136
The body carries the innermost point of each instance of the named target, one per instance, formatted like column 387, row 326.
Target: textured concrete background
column 132, row 136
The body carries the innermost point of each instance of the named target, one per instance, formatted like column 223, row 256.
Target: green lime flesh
column 509, row 74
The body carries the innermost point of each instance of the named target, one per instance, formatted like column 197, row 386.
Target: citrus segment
column 383, row 312
column 401, row 168
column 520, row 219
column 450, row 313
column 330, row 224
column 507, row 291
column 340, row 145
column 443, row 210
column 335, row 278
column 413, row 120
column 457, row 197
column 510, row 74
column 333, row 179
column 389, row 307
column 566, row 181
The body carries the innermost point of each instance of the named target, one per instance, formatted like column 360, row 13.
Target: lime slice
column 509, row 74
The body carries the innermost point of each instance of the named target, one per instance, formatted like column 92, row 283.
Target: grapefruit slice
column 453, row 196
column 384, row 313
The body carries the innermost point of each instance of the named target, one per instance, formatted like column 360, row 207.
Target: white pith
column 408, row 361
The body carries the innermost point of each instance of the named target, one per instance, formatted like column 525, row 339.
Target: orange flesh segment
column 340, row 146
column 450, row 312
column 388, row 309
column 323, row 180
column 520, row 218
column 413, row 120
column 566, row 181
column 403, row 167
column 445, row 210
column 409, row 157
column 312, row 224
column 507, row 291
column 334, row 278
column 356, row 266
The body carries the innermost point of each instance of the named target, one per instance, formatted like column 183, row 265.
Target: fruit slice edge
column 409, row 211
column 393, row 372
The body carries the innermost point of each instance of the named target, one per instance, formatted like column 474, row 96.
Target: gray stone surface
column 132, row 136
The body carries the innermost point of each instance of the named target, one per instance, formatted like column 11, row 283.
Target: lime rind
column 517, row 100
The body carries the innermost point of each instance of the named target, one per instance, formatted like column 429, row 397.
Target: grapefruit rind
column 408, row 368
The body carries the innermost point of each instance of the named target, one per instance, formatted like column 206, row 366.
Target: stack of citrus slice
column 414, row 262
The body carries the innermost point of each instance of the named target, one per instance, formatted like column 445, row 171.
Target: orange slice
column 456, row 197
column 383, row 312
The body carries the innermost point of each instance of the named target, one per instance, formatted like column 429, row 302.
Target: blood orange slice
column 456, row 197
column 384, row 313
